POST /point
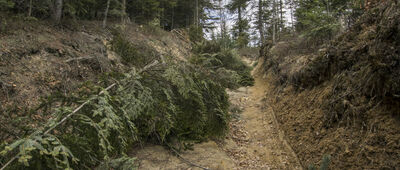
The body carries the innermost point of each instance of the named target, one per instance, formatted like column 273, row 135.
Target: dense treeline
column 168, row 14
column 273, row 20
column 258, row 21
column 316, row 21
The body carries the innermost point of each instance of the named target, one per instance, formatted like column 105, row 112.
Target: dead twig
column 185, row 160
column 180, row 36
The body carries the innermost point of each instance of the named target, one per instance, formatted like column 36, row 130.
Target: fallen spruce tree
column 95, row 127
column 177, row 102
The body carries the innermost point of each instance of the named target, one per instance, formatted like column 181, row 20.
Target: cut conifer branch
column 154, row 63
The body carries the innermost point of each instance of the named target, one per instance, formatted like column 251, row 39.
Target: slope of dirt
column 343, row 100
column 38, row 60
column 255, row 140
column 302, row 118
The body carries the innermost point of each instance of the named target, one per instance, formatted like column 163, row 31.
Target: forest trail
column 263, row 143
column 254, row 141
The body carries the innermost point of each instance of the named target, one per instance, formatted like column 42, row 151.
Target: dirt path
column 260, row 143
column 255, row 141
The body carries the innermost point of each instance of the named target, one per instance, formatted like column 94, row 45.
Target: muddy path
column 255, row 140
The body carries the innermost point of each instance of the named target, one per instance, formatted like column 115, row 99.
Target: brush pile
column 161, row 100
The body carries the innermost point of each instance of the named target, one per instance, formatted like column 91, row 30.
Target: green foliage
column 44, row 147
column 3, row 26
column 322, row 32
column 231, row 61
column 123, row 163
column 228, row 78
column 124, row 48
column 169, row 14
column 6, row 4
column 78, row 8
column 235, row 4
column 241, row 27
column 240, row 33
column 235, row 73
column 319, row 20
column 144, row 11
column 242, row 40
column 96, row 132
column 326, row 160
column 195, row 33
column 318, row 25
column 152, row 29
column 202, row 104
column 130, row 52
column 174, row 101
column 255, row 64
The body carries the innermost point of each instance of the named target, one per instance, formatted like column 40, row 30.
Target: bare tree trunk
column 291, row 13
column 194, row 15
column 328, row 7
column 260, row 22
column 197, row 13
column 222, row 20
column 58, row 11
column 274, row 22
column 30, row 8
column 223, row 24
column 105, row 14
column 240, row 19
column 281, row 26
column 161, row 16
column 124, row 15
column 172, row 18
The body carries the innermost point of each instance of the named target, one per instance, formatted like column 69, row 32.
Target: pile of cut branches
column 95, row 127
